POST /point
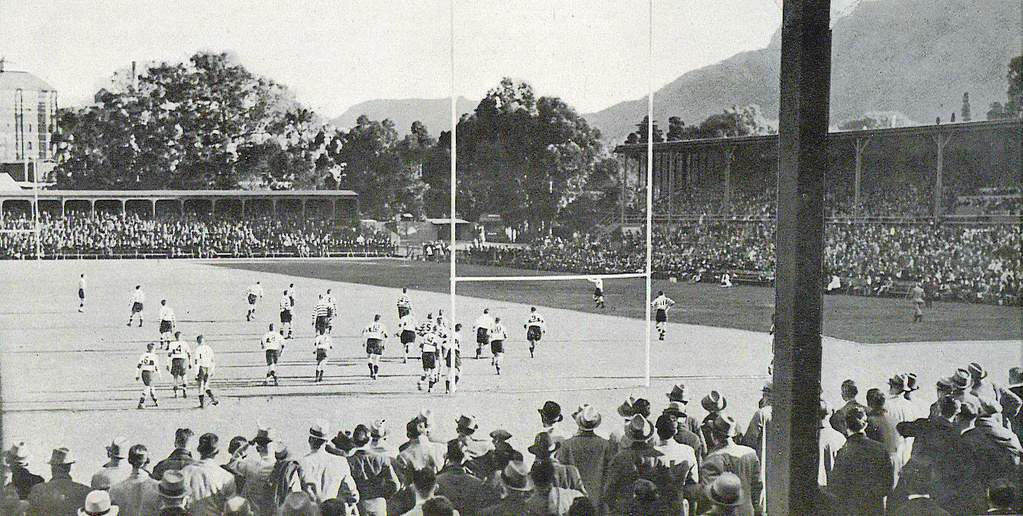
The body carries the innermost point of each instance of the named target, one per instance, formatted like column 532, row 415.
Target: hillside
column 435, row 113
column 912, row 56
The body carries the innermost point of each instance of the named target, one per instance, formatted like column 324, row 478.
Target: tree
column 204, row 123
column 995, row 111
column 676, row 129
column 1014, row 106
column 642, row 130
column 965, row 111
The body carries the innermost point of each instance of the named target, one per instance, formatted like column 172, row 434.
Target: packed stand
column 971, row 263
column 105, row 234
column 893, row 455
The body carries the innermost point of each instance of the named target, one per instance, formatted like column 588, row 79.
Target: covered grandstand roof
column 12, row 80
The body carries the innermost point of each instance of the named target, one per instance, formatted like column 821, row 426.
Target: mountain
column 916, row 57
column 435, row 113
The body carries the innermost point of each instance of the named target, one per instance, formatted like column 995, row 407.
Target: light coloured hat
column 18, row 454
column 378, row 430
column 587, row 417
column 97, row 503
column 515, row 476
column 725, row 490
column 298, row 504
column 172, row 485
column 639, row 428
column 320, row 429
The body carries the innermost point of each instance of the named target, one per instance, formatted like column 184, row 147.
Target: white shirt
column 323, row 342
column 407, row 323
column 429, row 342
column 376, row 330
column 180, row 349
column 535, row 319
column 404, row 301
column 166, row 314
column 81, row 283
column 662, row 303
column 286, row 303
column 272, row 340
column 483, row 321
column 255, row 290
column 148, row 362
column 138, row 296
column 497, row 332
column 204, row 358
column 597, row 282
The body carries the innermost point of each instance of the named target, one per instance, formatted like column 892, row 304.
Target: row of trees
column 208, row 123
column 735, row 121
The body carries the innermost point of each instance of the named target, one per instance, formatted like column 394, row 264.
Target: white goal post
column 455, row 279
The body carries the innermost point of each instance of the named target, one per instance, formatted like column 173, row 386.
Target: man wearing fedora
column 619, row 437
column 116, row 469
column 473, row 448
column 727, row 456
column 61, row 496
column 587, row 451
column 255, row 466
column 638, row 460
column 173, row 494
column 725, row 495
column 97, row 503
column 550, row 417
column 325, row 475
column 518, row 487
column 137, row 495
column 678, row 399
column 544, row 448
column 862, row 476
column 1007, row 403
column 22, row 479
column 373, row 474
column 458, row 484
column 209, row 485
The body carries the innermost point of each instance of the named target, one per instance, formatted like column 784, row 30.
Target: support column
column 672, row 163
column 273, row 205
column 152, row 208
column 792, row 444
column 860, row 146
column 941, row 141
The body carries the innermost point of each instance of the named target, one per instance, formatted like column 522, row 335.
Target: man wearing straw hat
column 726, row 456
column 61, row 495
column 21, row 477
column 518, row 487
column 587, row 451
column 97, row 503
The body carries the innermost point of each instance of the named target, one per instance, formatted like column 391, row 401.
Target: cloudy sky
column 334, row 54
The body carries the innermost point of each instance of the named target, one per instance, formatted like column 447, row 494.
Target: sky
column 334, row 54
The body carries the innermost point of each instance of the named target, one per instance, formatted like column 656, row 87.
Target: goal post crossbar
column 561, row 277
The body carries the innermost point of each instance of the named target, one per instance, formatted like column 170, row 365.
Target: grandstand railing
column 662, row 218
column 168, row 254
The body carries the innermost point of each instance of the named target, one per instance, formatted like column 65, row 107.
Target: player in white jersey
column 406, row 333
column 205, row 362
column 322, row 344
column 138, row 299
column 482, row 330
column 180, row 361
column 321, row 316
column 287, row 305
column 332, row 304
column 146, row 367
column 452, row 345
column 535, row 327
column 598, row 291
column 272, row 344
column 661, row 304
column 252, row 294
column 375, row 335
column 429, row 344
column 167, row 321
column 404, row 303
column 81, row 293
column 497, row 337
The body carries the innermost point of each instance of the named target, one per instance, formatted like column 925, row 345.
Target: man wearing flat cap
column 116, row 469
column 587, row 451
column 209, row 485
column 862, row 476
column 253, row 461
column 727, row 456
column 21, row 477
column 61, row 496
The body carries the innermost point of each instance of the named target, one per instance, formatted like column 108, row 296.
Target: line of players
column 436, row 339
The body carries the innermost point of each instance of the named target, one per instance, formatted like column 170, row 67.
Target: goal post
column 646, row 273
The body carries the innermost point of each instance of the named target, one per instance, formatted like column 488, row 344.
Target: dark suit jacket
column 24, row 480
column 467, row 493
column 58, row 497
column 837, row 419
column 955, row 488
column 178, row 459
column 919, row 507
column 862, row 477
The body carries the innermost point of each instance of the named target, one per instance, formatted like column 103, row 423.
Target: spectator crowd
column 188, row 235
column 953, row 262
column 893, row 455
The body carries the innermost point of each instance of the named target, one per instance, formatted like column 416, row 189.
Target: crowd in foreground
column 979, row 264
column 894, row 456
column 116, row 234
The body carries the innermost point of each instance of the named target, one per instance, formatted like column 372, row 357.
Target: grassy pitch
column 68, row 378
